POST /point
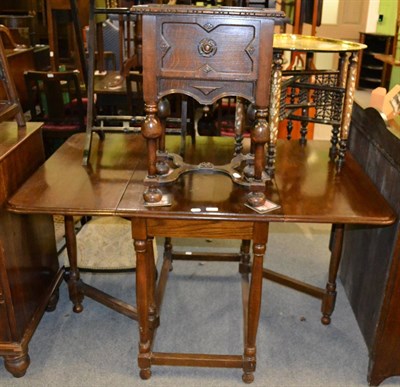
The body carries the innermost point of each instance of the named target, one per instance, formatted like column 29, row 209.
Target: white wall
column 373, row 14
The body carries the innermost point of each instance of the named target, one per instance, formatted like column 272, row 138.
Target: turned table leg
column 151, row 275
column 329, row 298
column 152, row 131
column 75, row 293
column 145, row 300
column 254, row 305
column 244, row 264
column 143, row 306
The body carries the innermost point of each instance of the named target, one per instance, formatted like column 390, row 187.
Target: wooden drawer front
column 204, row 91
column 181, row 228
column 19, row 163
column 208, row 47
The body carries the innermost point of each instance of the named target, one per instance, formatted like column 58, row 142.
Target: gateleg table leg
column 254, row 306
column 75, row 293
column 144, row 294
column 329, row 298
column 143, row 306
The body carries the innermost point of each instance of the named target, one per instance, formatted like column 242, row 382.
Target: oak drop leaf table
column 306, row 186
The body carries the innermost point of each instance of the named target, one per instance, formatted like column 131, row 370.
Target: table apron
column 200, row 228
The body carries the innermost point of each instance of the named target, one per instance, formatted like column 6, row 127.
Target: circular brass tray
column 295, row 42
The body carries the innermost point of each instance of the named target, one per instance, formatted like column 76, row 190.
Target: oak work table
column 306, row 187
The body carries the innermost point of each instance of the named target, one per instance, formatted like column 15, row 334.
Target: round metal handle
column 207, row 47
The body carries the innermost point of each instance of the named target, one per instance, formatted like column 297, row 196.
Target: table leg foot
column 328, row 304
column 326, row 320
column 51, row 306
column 152, row 195
column 248, row 377
column 73, row 276
column 75, row 295
column 145, row 374
column 78, row 308
column 17, row 365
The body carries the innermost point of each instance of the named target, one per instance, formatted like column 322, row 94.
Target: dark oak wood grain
column 306, row 184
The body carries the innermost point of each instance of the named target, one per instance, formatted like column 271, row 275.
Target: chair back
column 134, row 93
column 56, row 98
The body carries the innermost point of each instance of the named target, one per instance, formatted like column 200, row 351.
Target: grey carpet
column 202, row 313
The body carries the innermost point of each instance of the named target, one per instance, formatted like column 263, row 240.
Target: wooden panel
column 29, row 267
column 312, row 190
column 203, row 92
column 371, row 255
column 203, row 42
column 200, row 229
column 19, row 61
column 23, row 163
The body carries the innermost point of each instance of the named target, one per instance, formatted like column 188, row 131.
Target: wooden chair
column 74, row 34
column 55, row 98
column 134, row 93
column 9, row 42
column 10, row 108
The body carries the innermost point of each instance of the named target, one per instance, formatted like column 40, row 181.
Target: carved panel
column 206, row 93
column 208, row 48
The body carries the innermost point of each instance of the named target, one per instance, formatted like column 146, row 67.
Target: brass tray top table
column 209, row 206
column 330, row 92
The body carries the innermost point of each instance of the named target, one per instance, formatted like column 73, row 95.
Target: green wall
column 388, row 8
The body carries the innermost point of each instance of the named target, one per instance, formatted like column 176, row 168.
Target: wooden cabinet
column 370, row 269
column 372, row 72
column 29, row 269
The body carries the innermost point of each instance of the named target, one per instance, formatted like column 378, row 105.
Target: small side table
column 205, row 53
column 330, row 92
